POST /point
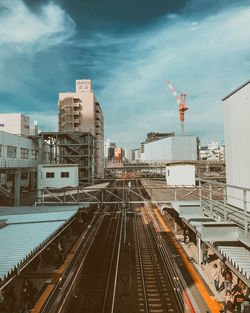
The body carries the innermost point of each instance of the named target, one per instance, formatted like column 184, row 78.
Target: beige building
column 15, row 123
column 81, row 112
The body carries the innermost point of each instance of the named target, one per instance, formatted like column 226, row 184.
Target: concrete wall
column 180, row 175
column 58, row 181
column 15, row 123
column 237, row 143
column 176, row 148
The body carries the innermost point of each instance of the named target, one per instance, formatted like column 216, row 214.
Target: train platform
column 205, row 270
column 201, row 273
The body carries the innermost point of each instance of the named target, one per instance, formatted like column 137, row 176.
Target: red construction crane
column 182, row 105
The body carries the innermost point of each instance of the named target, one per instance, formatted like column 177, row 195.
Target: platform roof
column 23, row 234
column 225, row 234
column 238, row 255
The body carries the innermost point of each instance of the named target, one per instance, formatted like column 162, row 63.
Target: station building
column 19, row 158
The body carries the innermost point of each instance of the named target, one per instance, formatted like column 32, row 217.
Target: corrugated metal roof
column 238, row 256
column 38, row 217
column 24, row 234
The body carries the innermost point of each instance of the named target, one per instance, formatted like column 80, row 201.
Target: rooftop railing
column 231, row 203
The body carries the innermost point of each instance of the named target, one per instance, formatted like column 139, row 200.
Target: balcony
column 17, row 163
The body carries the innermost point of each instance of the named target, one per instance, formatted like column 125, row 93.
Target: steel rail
column 117, row 266
column 62, row 291
column 150, row 244
column 141, row 264
column 105, row 242
column 171, row 269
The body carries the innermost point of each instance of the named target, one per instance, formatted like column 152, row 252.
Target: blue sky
column 129, row 51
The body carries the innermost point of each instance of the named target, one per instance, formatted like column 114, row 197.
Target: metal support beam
column 113, row 194
column 17, row 184
column 211, row 197
column 32, row 180
column 83, row 191
column 198, row 250
column 200, row 194
column 225, row 202
column 245, row 212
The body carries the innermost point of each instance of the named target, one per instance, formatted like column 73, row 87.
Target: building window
column 24, row 153
column 64, row 174
column 34, row 155
column 168, row 173
column 11, row 152
column 50, row 175
column 1, row 149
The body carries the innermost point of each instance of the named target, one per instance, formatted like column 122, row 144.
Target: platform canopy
column 22, row 234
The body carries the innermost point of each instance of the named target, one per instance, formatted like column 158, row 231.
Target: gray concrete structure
column 178, row 148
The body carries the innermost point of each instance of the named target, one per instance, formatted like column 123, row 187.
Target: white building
column 15, row 123
column 20, row 152
column 212, row 152
column 57, row 176
column 178, row 148
column 180, row 175
column 128, row 154
column 137, row 154
column 237, row 142
column 19, row 157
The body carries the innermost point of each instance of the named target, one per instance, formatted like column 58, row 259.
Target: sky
column 129, row 49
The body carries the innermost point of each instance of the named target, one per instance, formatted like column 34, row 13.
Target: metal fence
column 216, row 200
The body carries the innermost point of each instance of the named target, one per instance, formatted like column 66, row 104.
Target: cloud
column 203, row 56
column 21, row 28
column 28, row 41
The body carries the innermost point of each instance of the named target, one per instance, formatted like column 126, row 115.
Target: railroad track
column 100, row 290
column 155, row 286
column 146, row 282
column 153, row 289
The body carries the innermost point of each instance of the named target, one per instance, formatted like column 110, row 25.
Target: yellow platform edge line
column 213, row 305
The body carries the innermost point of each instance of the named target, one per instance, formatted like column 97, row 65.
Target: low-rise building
column 57, row 176
column 174, row 148
column 180, row 174
column 19, row 158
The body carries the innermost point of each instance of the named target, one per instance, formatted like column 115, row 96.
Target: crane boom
column 182, row 105
column 174, row 93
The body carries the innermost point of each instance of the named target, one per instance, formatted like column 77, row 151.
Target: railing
column 141, row 163
column 231, row 203
column 17, row 163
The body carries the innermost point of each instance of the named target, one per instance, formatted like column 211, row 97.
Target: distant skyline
column 129, row 51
